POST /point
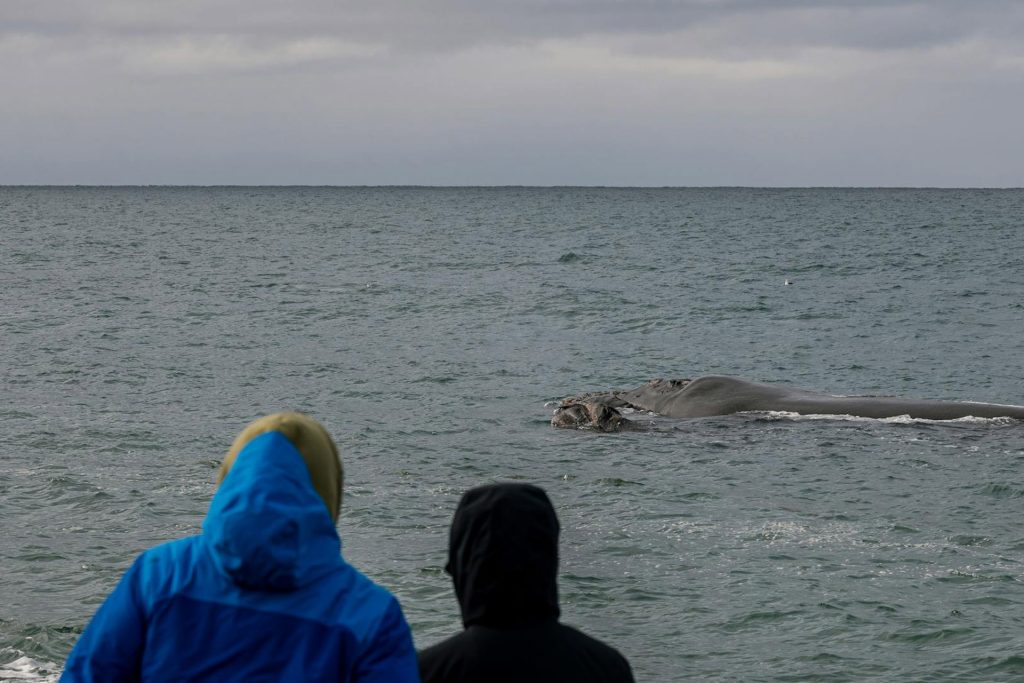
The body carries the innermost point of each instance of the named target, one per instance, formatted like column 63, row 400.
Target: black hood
column 503, row 556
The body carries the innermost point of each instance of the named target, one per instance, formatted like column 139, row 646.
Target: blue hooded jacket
column 262, row 595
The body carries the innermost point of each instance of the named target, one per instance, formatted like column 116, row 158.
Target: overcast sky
column 531, row 92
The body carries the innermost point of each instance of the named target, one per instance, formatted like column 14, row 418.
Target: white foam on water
column 25, row 668
column 898, row 419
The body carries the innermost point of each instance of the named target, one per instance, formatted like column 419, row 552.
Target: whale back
column 713, row 395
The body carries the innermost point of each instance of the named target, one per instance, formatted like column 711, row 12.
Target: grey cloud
column 627, row 92
column 445, row 25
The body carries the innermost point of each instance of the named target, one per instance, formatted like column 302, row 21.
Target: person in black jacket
column 503, row 559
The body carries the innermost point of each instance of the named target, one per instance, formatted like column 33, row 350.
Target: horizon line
column 504, row 186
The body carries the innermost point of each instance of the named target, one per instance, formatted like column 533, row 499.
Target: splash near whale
column 720, row 395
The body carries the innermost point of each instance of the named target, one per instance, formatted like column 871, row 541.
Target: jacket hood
column 503, row 556
column 314, row 445
column 268, row 527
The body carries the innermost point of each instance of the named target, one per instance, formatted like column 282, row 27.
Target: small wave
column 970, row 576
column 427, row 379
column 616, row 482
column 969, row 540
column 700, row 495
column 997, row 490
column 822, row 657
column 755, row 620
column 569, row 257
column 932, row 636
column 995, row 600
column 1012, row 664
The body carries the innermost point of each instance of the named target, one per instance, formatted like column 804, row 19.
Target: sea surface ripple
column 429, row 328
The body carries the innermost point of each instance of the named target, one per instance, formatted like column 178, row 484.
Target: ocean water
column 430, row 329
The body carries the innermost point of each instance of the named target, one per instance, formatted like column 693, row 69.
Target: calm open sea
column 428, row 328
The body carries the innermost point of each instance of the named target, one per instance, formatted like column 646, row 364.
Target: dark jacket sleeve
column 110, row 648
column 390, row 657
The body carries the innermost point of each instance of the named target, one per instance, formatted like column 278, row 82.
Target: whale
column 714, row 395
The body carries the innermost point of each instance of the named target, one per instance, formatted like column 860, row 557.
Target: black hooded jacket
column 503, row 558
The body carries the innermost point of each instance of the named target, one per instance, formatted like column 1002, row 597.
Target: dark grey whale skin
column 720, row 395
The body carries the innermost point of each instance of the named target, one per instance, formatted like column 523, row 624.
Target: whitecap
column 25, row 668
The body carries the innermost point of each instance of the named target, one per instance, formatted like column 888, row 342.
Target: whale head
column 589, row 415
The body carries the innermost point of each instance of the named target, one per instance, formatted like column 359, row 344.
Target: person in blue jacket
column 263, row 593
